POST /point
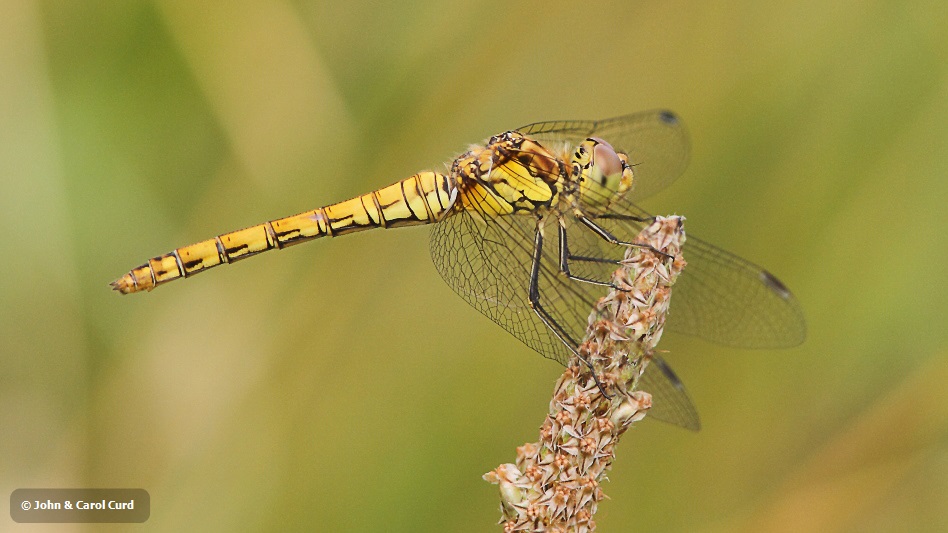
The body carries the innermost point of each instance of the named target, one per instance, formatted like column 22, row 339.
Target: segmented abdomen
column 421, row 199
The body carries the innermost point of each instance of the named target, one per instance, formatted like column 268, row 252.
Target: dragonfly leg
column 565, row 258
column 546, row 318
column 601, row 232
column 618, row 216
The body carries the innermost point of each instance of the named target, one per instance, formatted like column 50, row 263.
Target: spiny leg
column 633, row 218
column 545, row 317
column 566, row 257
column 618, row 216
column 604, row 234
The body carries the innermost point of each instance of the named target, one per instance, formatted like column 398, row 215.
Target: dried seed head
column 555, row 485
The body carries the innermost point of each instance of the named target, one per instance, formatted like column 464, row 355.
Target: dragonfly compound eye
column 604, row 176
column 606, row 160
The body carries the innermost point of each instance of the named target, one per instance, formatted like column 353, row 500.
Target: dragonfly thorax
column 510, row 174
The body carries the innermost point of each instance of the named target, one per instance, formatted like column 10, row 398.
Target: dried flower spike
column 555, row 484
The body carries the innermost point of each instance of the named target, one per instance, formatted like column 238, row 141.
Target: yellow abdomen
column 421, row 199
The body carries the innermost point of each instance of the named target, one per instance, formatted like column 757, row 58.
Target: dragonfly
column 528, row 228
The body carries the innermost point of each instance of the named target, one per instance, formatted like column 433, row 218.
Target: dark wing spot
column 669, row 373
column 668, row 118
column 774, row 284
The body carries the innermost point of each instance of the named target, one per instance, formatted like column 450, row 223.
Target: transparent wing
column 670, row 401
column 656, row 142
column 487, row 261
column 719, row 297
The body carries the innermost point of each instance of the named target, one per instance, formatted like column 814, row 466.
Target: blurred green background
column 342, row 386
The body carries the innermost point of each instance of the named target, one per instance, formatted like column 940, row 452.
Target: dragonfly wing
column 656, row 142
column 734, row 302
column 487, row 261
column 719, row 296
column 670, row 401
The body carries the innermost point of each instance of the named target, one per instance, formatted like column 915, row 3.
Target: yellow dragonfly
column 495, row 212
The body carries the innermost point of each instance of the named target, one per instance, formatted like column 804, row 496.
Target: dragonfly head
column 604, row 175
